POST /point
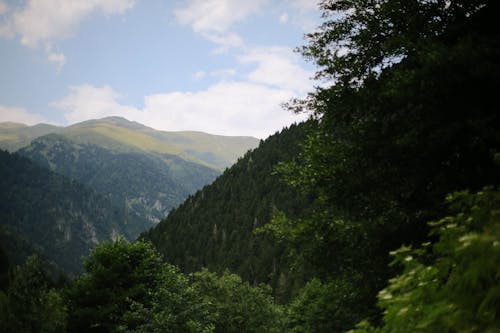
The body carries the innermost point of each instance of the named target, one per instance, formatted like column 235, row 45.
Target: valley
column 137, row 173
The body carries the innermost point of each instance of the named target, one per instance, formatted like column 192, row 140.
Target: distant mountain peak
column 10, row 124
column 115, row 120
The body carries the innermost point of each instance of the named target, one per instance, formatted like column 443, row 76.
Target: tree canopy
column 454, row 284
column 407, row 113
column 127, row 288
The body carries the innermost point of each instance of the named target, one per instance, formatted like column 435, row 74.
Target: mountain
column 145, row 186
column 143, row 172
column 121, row 135
column 43, row 211
column 14, row 136
column 215, row 228
column 69, row 188
column 117, row 133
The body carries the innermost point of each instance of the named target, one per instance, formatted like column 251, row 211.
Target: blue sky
column 218, row 66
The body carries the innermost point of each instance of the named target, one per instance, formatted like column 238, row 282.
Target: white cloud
column 42, row 21
column 216, row 15
column 58, row 59
column 230, row 108
column 278, row 66
column 225, row 41
column 283, row 18
column 89, row 102
column 19, row 115
column 213, row 18
column 226, row 108
column 301, row 13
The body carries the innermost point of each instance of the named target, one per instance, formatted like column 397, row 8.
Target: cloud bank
column 226, row 108
column 248, row 106
column 19, row 115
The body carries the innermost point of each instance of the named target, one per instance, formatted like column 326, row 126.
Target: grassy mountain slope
column 61, row 219
column 215, row 227
column 118, row 133
column 14, row 136
column 121, row 135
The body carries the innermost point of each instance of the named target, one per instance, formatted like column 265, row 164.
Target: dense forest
column 143, row 186
column 217, row 227
column 46, row 212
column 381, row 213
column 144, row 172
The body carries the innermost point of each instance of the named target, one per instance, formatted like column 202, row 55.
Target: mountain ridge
column 118, row 133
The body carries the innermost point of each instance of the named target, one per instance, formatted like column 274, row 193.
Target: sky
column 218, row 66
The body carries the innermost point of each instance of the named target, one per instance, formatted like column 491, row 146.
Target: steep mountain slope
column 15, row 247
column 145, row 186
column 142, row 171
column 215, row 227
column 61, row 219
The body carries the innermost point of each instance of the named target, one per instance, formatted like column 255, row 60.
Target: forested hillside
column 215, row 228
column 380, row 214
column 410, row 119
column 144, row 172
column 58, row 217
column 144, row 186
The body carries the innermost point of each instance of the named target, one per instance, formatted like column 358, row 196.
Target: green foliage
column 215, row 227
column 331, row 306
column 127, row 288
column 359, row 38
column 143, row 186
column 394, row 141
column 44, row 212
column 30, row 304
column 410, row 116
column 236, row 306
column 454, row 284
